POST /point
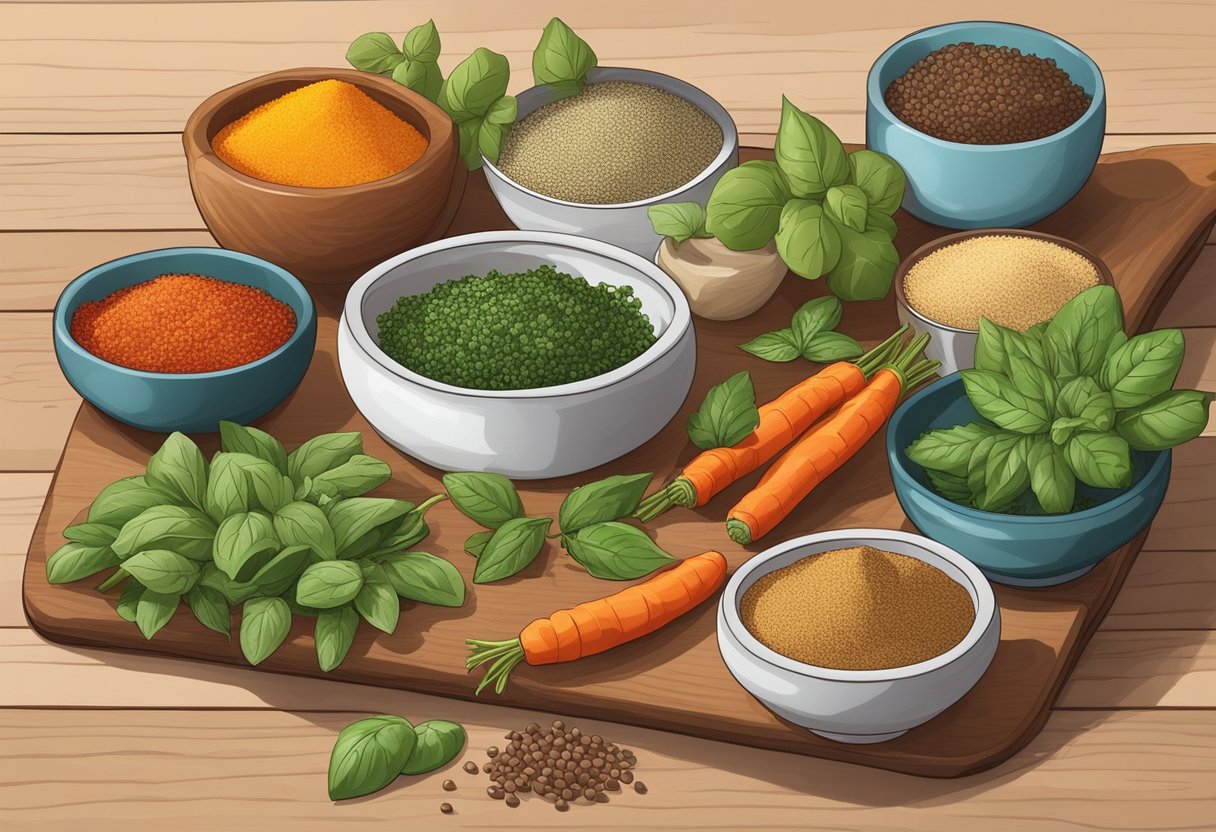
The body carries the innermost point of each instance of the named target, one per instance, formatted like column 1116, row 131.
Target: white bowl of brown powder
column 860, row 634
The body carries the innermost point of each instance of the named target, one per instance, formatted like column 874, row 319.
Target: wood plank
column 1194, row 301
column 1140, row 770
column 1187, row 519
column 21, row 498
column 1199, row 365
column 108, row 74
column 37, row 405
column 1155, row 669
column 1167, row 590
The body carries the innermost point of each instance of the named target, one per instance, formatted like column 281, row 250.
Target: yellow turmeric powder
column 325, row 135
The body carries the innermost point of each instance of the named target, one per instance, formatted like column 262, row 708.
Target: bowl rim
column 198, row 147
column 1161, row 461
column 985, row 605
column 671, row 84
column 665, row 342
column 63, row 331
column 875, row 98
column 1105, row 277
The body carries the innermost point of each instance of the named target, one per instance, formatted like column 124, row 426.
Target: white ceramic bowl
column 525, row 434
column 626, row 224
column 858, row 706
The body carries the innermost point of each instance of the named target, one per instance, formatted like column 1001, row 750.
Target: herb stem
column 114, row 580
column 430, row 501
column 679, row 492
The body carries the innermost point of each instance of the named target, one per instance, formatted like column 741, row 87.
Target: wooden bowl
column 325, row 235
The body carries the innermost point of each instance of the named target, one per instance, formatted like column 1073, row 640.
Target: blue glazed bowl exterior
column 1016, row 547
column 189, row 402
column 978, row 186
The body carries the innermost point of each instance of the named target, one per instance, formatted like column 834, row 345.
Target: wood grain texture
column 1134, row 771
column 21, row 498
column 37, row 404
column 1167, row 590
column 1166, row 669
column 145, row 67
column 1188, row 521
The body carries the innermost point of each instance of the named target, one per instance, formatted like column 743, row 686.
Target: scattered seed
column 512, row 800
column 640, row 787
column 449, row 786
column 561, row 805
column 492, row 751
column 470, row 767
column 446, row 808
column 495, row 792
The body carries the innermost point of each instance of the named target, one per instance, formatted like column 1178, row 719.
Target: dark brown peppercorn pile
column 559, row 764
column 980, row 94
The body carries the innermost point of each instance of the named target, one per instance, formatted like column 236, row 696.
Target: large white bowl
column 526, row 434
column 626, row 224
column 858, row 706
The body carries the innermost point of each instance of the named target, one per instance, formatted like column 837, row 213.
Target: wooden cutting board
column 1147, row 213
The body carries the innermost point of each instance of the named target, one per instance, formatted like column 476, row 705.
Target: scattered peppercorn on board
column 1146, row 213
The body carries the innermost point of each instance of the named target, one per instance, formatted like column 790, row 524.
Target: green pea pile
column 516, row 331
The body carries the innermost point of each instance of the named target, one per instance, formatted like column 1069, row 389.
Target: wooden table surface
column 92, row 96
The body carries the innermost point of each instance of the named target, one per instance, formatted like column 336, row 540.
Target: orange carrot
column 826, row 447
column 781, row 421
column 595, row 626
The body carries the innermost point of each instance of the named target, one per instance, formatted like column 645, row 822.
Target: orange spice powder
column 183, row 323
column 326, row 135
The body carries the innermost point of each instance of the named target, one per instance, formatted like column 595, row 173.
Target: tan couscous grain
column 614, row 142
column 858, row 609
column 1014, row 281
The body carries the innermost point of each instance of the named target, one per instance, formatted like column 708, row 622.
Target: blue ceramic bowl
column 977, row 186
column 1017, row 549
column 189, row 402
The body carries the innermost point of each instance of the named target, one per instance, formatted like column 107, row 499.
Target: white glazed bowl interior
column 540, row 432
column 625, row 224
column 858, row 706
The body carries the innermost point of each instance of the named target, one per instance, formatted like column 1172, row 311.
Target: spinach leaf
column 243, row 439
column 616, row 551
column 948, row 449
column 562, row 59
column 778, row 346
column 377, row 602
column 475, row 84
column 1081, row 332
column 154, row 610
column 807, row 241
column 422, row 43
column 265, row 624
column 847, row 205
column 368, row 755
column 76, row 560
column 678, row 221
column 727, row 415
column 997, row 400
column 515, row 544
column 809, row 153
column 485, row 498
column 353, row 478
column 475, row 543
column 1102, row 460
column 607, row 499
column 374, row 52
column 1051, row 479
column 1143, row 367
column 281, row 572
column 334, row 634
column 210, row 607
column 866, row 266
column 122, row 501
column 162, row 571
column 1165, row 421
column 303, row 524
column 329, row 584
column 744, row 210
column 91, row 534
column 228, row 488
column 128, row 600
column 186, row 531
column 438, row 743
column 827, row 347
column 1084, row 400
column 179, row 469
column 422, row 76
column 880, row 177
column 360, row 523
column 418, row 576
column 244, row 544
column 319, row 454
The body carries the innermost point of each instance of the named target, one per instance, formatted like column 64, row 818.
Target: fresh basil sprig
column 616, row 551
column 727, row 414
column 810, row 335
column 513, row 546
column 562, row 59
column 370, row 753
column 678, row 221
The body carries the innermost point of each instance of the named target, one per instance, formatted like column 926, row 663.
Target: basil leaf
column 1083, row 399
column 827, row 347
column 75, row 560
column 1063, row 428
column 179, row 469
column 154, row 610
column 866, row 266
column 744, row 210
column 807, row 241
column 1006, row 472
column 995, row 398
column 186, row 531
column 469, row 131
column 616, row 551
column 235, row 592
column 122, row 501
column 421, row 76
column 334, row 634
column 411, row 530
column 608, row 499
column 319, row 454
column 1143, row 367
column 1102, row 460
column 488, row 499
column 91, row 534
column 1051, row 479
column 281, row 572
column 368, row 755
column 779, row 346
column 727, row 415
column 228, row 489
column 475, row 84
column 1081, row 331
column 475, row 543
column 490, row 139
column 356, row 476
column 996, row 346
column 128, row 600
column 242, row 439
column 1166, row 421
column 374, row 52
column 359, row 522
column 809, row 153
column 438, row 743
column 514, row 545
column 847, row 205
column 422, row 42
column 271, row 490
column 425, row 578
column 1032, row 381
column 977, row 462
column 329, row 584
column 562, row 59
column 377, row 602
column 265, row 624
column 210, row 607
column 245, row 543
column 815, row 316
column 678, row 221
column 162, row 571
column 880, row 223
column 948, row 449
column 303, row 524
column 881, row 179
column 951, row 486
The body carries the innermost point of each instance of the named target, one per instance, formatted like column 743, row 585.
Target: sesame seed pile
column 980, row 94
column 325, row 135
column 183, row 323
column 1014, row 281
column 858, row 609
column 614, row 142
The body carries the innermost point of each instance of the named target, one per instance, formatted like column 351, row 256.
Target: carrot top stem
column 502, row 656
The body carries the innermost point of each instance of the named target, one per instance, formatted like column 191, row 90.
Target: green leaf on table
column 243, row 439
column 334, row 633
column 809, row 153
column 75, row 560
column 866, row 265
column 1102, row 460
column 128, row 600
column 438, row 743
column 744, row 210
column 374, row 52
column 425, row 578
column 228, row 488
column 807, row 240
column 948, row 449
column 411, row 529
column 281, row 572
column 329, row 584
column 827, row 347
column 91, row 534
column 265, row 624
column 847, row 205
column 997, row 400
column 271, row 489
column 678, row 221
column 1143, row 367
column 321, row 453
column 1166, row 421
column 1081, row 332
column 880, row 223
column 880, row 177
column 515, row 544
column 778, row 346
column 244, row 543
column 813, row 317
column 210, row 607
column 596, row 502
column 303, row 524
column 236, row 592
column 163, row 571
column 485, row 498
column 368, row 755
column 1051, row 479
column 185, row 530
column 179, row 469
column 124, row 500
column 562, row 59
column 616, row 551
column 377, row 601
column 154, row 610
column 727, row 414
column 361, row 523
column 474, row 85
column 422, row 43
column 475, row 543
column 355, row 477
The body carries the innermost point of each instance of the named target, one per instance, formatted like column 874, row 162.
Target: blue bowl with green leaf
column 1028, row 548
column 188, row 402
